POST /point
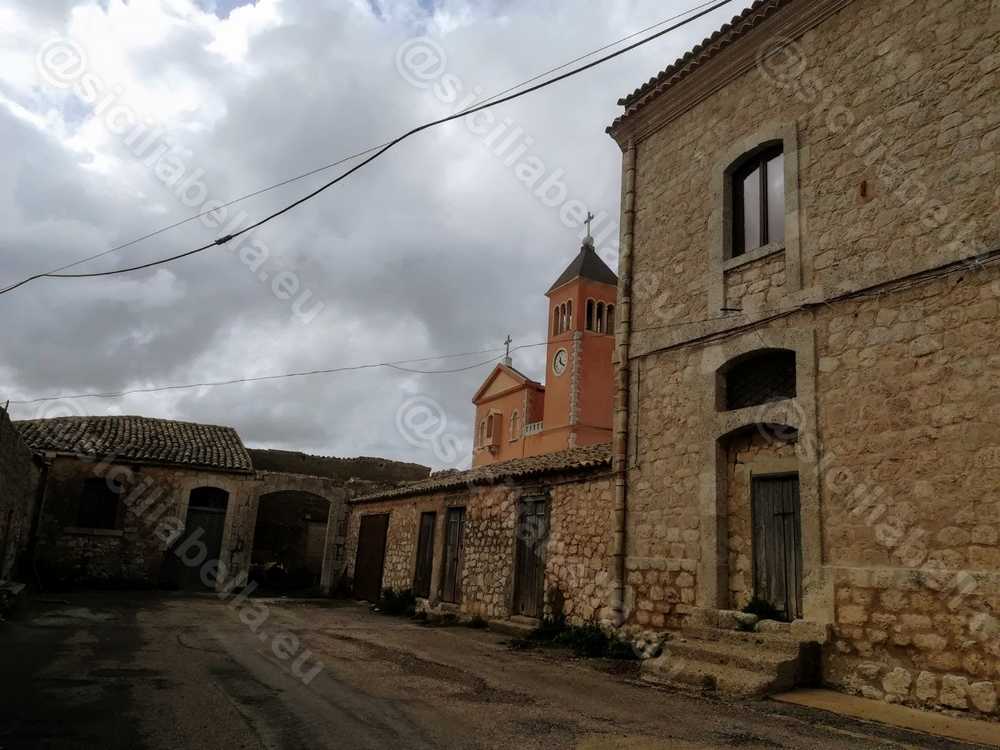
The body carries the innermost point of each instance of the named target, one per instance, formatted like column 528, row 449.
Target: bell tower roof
column 586, row 265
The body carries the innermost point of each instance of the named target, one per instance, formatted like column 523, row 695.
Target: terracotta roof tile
column 577, row 459
column 140, row 439
column 709, row 48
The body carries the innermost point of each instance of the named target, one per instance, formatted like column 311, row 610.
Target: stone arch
column 310, row 491
column 780, row 421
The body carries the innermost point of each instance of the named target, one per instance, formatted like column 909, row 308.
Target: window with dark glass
column 609, row 315
column 759, row 201
column 98, row 507
column 590, row 315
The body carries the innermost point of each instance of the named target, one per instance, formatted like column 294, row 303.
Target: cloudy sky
column 119, row 118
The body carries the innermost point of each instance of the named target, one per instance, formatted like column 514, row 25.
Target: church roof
column 519, row 376
column 586, row 265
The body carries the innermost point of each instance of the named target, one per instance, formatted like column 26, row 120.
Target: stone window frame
column 800, row 414
column 721, row 220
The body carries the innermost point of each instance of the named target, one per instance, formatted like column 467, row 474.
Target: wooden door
column 529, row 560
column 369, row 565
column 777, row 544
column 454, row 542
column 204, row 524
column 425, row 556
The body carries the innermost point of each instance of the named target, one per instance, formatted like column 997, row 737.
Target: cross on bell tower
column 589, row 239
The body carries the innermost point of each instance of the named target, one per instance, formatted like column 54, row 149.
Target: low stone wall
column 577, row 549
column 918, row 637
column 19, row 477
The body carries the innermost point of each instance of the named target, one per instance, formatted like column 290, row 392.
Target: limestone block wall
column 898, row 152
column 577, row 575
column 757, row 284
column 18, row 483
column 154, row 501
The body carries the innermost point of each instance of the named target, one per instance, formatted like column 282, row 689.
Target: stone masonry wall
column 757, row 284
column 154, row 500
column 898, row 150
column 18, row 484
column 577, row 551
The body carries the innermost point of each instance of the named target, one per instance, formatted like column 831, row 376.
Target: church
column 517, row 417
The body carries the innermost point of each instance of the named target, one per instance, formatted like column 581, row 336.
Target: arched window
column 513, row 425
column 599, row 323
column 759, row 378
column 569, row 315
column 590, row 315
column 759, row 200
column 609, row 319
column 555, row 322
column 482, row 433
column 562, row 324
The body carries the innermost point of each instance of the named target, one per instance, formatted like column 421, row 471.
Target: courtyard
column 154, row 670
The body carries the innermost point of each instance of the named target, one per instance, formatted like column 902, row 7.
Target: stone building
column 139, row 501
column 19, row 473
column 808, row 349
column 517, row 417
column 524, row 538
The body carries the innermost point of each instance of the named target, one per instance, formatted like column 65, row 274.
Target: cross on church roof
column 507, row 360
column 590, row 219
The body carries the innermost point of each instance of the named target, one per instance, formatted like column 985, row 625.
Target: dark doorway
column 529, row 573
column 454, row 543
column 370, row 562
column 202, row 539
column 425, row 556
column 777, row 544
column 289, row 541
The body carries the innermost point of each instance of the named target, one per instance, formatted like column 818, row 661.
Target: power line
column 338, row 162
column 386, row 147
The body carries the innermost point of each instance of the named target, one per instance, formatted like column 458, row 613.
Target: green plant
column 588, row 641
column 550, row 629
column 763, row 609
column 398, row 604
column 477, row 623
column 621, row 650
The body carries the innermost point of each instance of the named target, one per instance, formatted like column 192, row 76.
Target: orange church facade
column 517, row 417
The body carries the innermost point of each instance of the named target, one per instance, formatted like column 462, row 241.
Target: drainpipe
column 619, row 444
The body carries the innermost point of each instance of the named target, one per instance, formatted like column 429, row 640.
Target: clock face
column 559, row 362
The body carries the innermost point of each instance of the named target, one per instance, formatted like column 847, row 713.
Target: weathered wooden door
column 204, row 525
column 369, row 565
column 777, row 544
column 454, row 542
column 425, row 556
column 529, row 559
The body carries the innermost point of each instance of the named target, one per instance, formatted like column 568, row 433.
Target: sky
column 120, row 118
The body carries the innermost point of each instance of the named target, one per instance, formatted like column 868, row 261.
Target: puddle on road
column 69, row 616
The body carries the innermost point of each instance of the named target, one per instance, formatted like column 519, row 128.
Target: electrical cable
column 391, row 144
column 338, row 162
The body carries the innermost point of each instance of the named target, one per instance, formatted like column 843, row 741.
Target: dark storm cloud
column 436, row 248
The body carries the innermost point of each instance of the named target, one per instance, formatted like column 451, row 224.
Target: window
column 599, row 324
column 209, row 498
column 482, row 432
column 759, row 201
column 98, row 507
column 609, row 319
column 759, row 378
column 569, row 315
column 590, row 315
column 513, row 425
column 555, row 322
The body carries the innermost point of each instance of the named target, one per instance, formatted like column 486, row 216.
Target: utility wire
column 340, row 161
column 389, row 145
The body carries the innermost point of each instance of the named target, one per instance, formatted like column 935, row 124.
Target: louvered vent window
column 761, row 378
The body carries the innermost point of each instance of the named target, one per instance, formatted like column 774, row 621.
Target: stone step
column 711, row 679
column 778, row 642
column 726, row 654
column 518, row 627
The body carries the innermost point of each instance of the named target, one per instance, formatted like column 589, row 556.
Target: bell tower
column 579, row 377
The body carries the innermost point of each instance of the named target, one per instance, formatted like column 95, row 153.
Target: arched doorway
column 289, row 541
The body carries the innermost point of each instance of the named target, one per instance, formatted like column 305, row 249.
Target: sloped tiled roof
column 586, row 265
column 140, row 439
column 576, row 459
column 709, row 48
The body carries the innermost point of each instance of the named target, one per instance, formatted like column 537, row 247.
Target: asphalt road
column 145, row 670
